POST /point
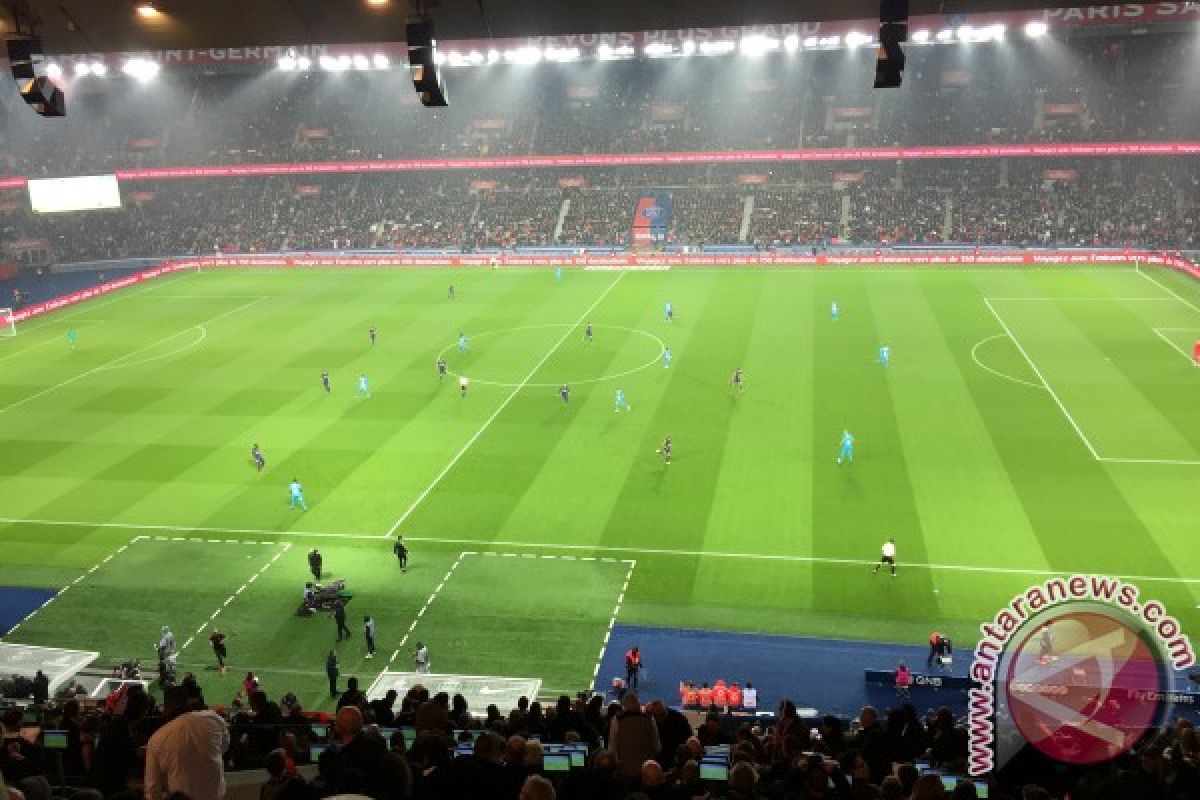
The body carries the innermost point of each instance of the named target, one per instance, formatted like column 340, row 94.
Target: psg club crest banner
column 651, row 217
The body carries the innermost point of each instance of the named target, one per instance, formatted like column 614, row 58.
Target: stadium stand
column 438, row 747
column 1133, row 202
column 1085, row 89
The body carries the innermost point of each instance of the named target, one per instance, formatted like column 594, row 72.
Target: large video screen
column 84, row 193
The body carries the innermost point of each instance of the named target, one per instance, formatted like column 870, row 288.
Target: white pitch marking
column 90, row 570
column 1168, row 461
column 90, row 305
column 162, row 356
column 285, row 547
column 133, row 526
column 109, row 364
column 425, row 607
column 507, row 400
column 663, row 551
column 1169, row 291
column 1159, row 332
column 1042, row 378
column 612, row 621
column 998, row 373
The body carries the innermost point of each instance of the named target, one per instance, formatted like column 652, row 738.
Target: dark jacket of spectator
column 633, row 738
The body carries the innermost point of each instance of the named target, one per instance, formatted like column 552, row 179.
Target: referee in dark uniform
column 401, row 552
column 314, row 563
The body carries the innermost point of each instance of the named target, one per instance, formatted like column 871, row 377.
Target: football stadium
column 793, row 410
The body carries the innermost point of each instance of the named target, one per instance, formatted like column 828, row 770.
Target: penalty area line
column 1188, row 356
column 1169, row 291
column 116, row 362
column 1057, row 400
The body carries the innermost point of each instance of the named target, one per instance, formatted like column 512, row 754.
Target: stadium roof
column 96, row 26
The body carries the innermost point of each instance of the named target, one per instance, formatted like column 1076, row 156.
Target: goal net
column 8, row 327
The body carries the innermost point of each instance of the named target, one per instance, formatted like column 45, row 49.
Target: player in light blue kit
column 834, row 311
column 847, row 451
column 668, row 312
column 297, row 493
column 364, row 389
column 621, row 403
column 885, row 355
column 462, row 343
column 666, row 357
column 558, row 274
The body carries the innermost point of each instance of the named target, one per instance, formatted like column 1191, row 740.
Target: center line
column 488, row 422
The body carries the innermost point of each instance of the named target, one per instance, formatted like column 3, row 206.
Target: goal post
column 8, row 325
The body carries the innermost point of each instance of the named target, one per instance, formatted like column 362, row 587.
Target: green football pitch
column 1031, row 422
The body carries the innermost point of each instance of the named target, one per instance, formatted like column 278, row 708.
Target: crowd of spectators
column 600, row 217
column 1115, row 203
column 438, row 748
column 1079, row 88
column 708, row 217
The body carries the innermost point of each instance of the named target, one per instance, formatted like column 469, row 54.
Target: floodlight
column 1036, row 29
column 422, row 62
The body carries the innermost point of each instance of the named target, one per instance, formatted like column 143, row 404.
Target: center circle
column 451, row 350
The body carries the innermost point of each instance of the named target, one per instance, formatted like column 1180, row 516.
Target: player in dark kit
column 217, row 640
column 259, row 461
column 325, row 380
column 401, row 552
column 450, row 292
column 314, row 563
column 587, row 332
column 564, row 392
column 441, row 366
column 373, row 334
column 665, row 450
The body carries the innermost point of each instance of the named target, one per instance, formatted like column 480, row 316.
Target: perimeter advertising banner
column 632, row 261
column 675, row 158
